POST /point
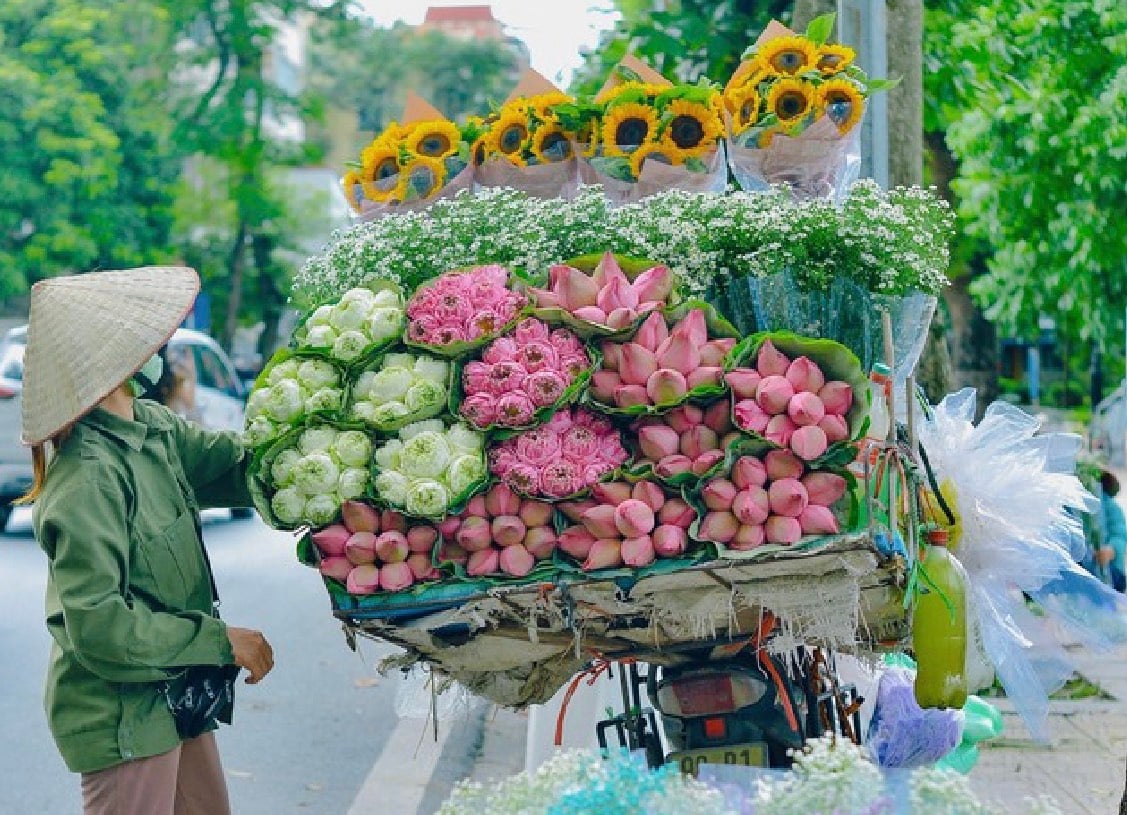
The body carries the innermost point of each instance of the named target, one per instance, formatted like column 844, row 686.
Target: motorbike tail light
column 7, row 393
column 709, row 694
column 715, row 728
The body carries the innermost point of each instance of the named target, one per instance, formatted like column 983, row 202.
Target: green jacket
column 128, row 597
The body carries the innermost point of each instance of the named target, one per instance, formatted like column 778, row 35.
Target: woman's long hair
column 39, row 462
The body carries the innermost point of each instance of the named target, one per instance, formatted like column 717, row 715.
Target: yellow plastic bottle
column 939, row 628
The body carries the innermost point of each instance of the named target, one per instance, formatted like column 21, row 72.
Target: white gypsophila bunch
column 322, row 469
column 946, row 791
column 828, row 775
column 291, row 389
column 401, row 388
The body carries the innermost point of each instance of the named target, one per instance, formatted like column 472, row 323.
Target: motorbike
column 731, row 702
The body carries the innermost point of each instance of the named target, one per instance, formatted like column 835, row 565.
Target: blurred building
column 475, row 23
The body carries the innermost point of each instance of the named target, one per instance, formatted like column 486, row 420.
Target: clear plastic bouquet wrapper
column 643, row 135
column 410, row 165
column 525, row 146
column 793, row 110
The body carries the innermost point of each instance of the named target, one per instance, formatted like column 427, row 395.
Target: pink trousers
column 185, row 781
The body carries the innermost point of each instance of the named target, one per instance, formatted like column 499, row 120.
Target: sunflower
column 693, row 127
column 842, row 101
column 744, row 107
column 587, row 137
column 627, row 126
column 788, row 55
column 550, row 144
column 422, row 178
column 751, row 72
column 834, row 58
column 791, row 99
column 349, row 182
column 644, row 88
column 379, row 164
column 435, row 139
column 509, row 133
column 655, row 151
column 542, row 103
column 479, row 149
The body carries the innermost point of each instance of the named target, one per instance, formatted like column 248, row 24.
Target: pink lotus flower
column 787, row 497
column 501, row 500
column 573, row 510
column 612, row 492
column 692, row 327
column 719, row 494
column 502, row 349
column 574, row 288
column 670, row 541
column 477, row 378
column 604, row 384
column 600, row 521
column 837, row 397
column 476, row 507
column 392, row 547
column 332, row 539
column 560, row 479
column 834, row 427
column 421, row 539
column 579, row 444
column 638, row 552
column 545, row 387
column 676, row 512
column 483, row 562
column 450, row 334
column 703, row 463
column 524, row 478
column 749, row 471
column 421, row 567
column 666, row 387
column 771, row 361
column 516, row 560
column 774, row 394
column 336, row 567
column 719, row 527
column 744, row 382
column 748, row 537
column 475, row 534
column 750, row 416
column 637, row 364
column 604, row 554
column 540, row 541
column 698, row 439
column 359, row 517
column 534, row 513
column 506, row 377
column 364, row 579
column 617, row 293
column 576, row 541
column 649, row 494
column 671, row 466
column 607, row 270
column 652, row 333
column 824, row 489
column 449, row 526
column 818, row 520
column 611, row 452
column 782, row 464
column 612, row 356
column 423, row 329
column 805, row 409
column 452, row 553
column 530, row 330
column 703, row 376
column 392, row 521
column 633, row 518
column 805, row 375
column 361, row 548
column 620, row 318
column 783, row 530
column 679, row 354
column 565, row 342
column 629, row 395
column 480, row 409
column 654, row 284
column 752, row 506
column 515, row 409
column 779, row 429
column 538, row 355
column 538, row 447
column 718, row 418
column 591, row 314
column 809, row 442
column 658, row 441
column 684, row 417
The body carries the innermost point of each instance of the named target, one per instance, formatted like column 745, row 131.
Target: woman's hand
column 252, row 652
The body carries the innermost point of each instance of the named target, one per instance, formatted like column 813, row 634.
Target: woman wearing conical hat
column 130, row 598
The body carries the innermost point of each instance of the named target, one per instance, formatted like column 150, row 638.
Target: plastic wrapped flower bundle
column 313, row 471
column 399, row 389
column 290, row 389
column 362, row 321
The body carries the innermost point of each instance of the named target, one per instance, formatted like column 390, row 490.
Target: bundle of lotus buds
column 626, row 524
column 372, row 550
column 606, row 297
column 687, row 439
column 660, row 366
column 790, row 403
column 775, row 499
column 499, row 532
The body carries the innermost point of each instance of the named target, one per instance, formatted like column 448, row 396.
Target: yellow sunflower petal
column 435, row 139
column 542, row 103
column 693, row 127
column 843, row 102
column 834, row 58
column 550, row 144
column 349, row 183
column 654, row 151
column 379, row 166
column 743, row 108
column 646, row 88
column 627, row 126
column 791, row 99
column 788, row 55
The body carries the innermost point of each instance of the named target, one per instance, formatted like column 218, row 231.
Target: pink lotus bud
column 612, row 355
column 676, row 512
column 360, row 517
column 774, row 394
column 818, row 520
column 476, row 507
column 749, row 536
column 744, row 382
column 698, row 439
column 679, row 354
column 782, row 464
column 501, row 500
column 360, row 548
column 684, row 417
column 516, row 560
column 617, row 293
column 449, row 526
column 771, row 361
column 715, row 351
column 710, row 376
column 591, row 314
column 824, row 489
column 780, row 429
column 718, row 494
column 475, row 534
column 693, row 327
column 638, row 363
column 574, row 288
column 837, row 397
column 604, row 554
column 805, row 375
column 599, row 521
column 805, row 409
column 653, row 284
column 573, row 510
column 508, row 530
column 422, row 539
column 633, row 518
column 809, row 442
column 652, row 333
column 638, row 552
column 484, row 562
column 751, row 506
column 604, row 384
column 673, row 465
column 545, row 299
column 331, row 540
column 576, row 541
column 730, row 438
column 788, row 497
column 670, row 540
column 621, row 317
column 783, row 530
column 719, row 527
column 750, row 416
column 834, row 427
column 364, row 579
column 748, row 471
column 611, row 492
column 706, row 461
column 337, row 567
column 666, row 387
column 535, row 513
column 391, row 547
column 540, row 541
column 718, row 418
column 392, row 521
column 629, row 395
column 607, row 270
column 658, row 441
column 649, row 494
column 452, row 553
column 421, row 566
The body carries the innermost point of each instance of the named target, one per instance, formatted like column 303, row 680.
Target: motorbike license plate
column 749, row 755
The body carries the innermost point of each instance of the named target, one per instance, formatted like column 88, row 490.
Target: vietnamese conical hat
column 88, row 333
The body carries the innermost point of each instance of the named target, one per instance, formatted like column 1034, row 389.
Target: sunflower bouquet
column 793, row 110
column 411, row 164
column 645, row 135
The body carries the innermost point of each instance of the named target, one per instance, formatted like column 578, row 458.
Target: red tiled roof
column 459, row 14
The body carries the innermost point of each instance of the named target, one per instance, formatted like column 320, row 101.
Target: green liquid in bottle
column 939, row 630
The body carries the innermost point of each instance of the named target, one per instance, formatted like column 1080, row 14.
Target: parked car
column 200, row 384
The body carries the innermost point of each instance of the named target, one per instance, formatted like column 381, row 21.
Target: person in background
column 1114, row 527
column 131, row 603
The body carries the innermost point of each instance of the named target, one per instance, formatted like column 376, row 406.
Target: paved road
column 304, row 740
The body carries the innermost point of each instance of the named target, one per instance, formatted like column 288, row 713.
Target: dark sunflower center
column 479, row 153
column 512, row 137
column 839, row 109
column 787, row 61
column 748, row 110
column 631, row 132
column 791, row 105
column 829, row 62
column 686, row 131
column 556, row 146
column 387, row 168
column 435, row 145
column 423, row 179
